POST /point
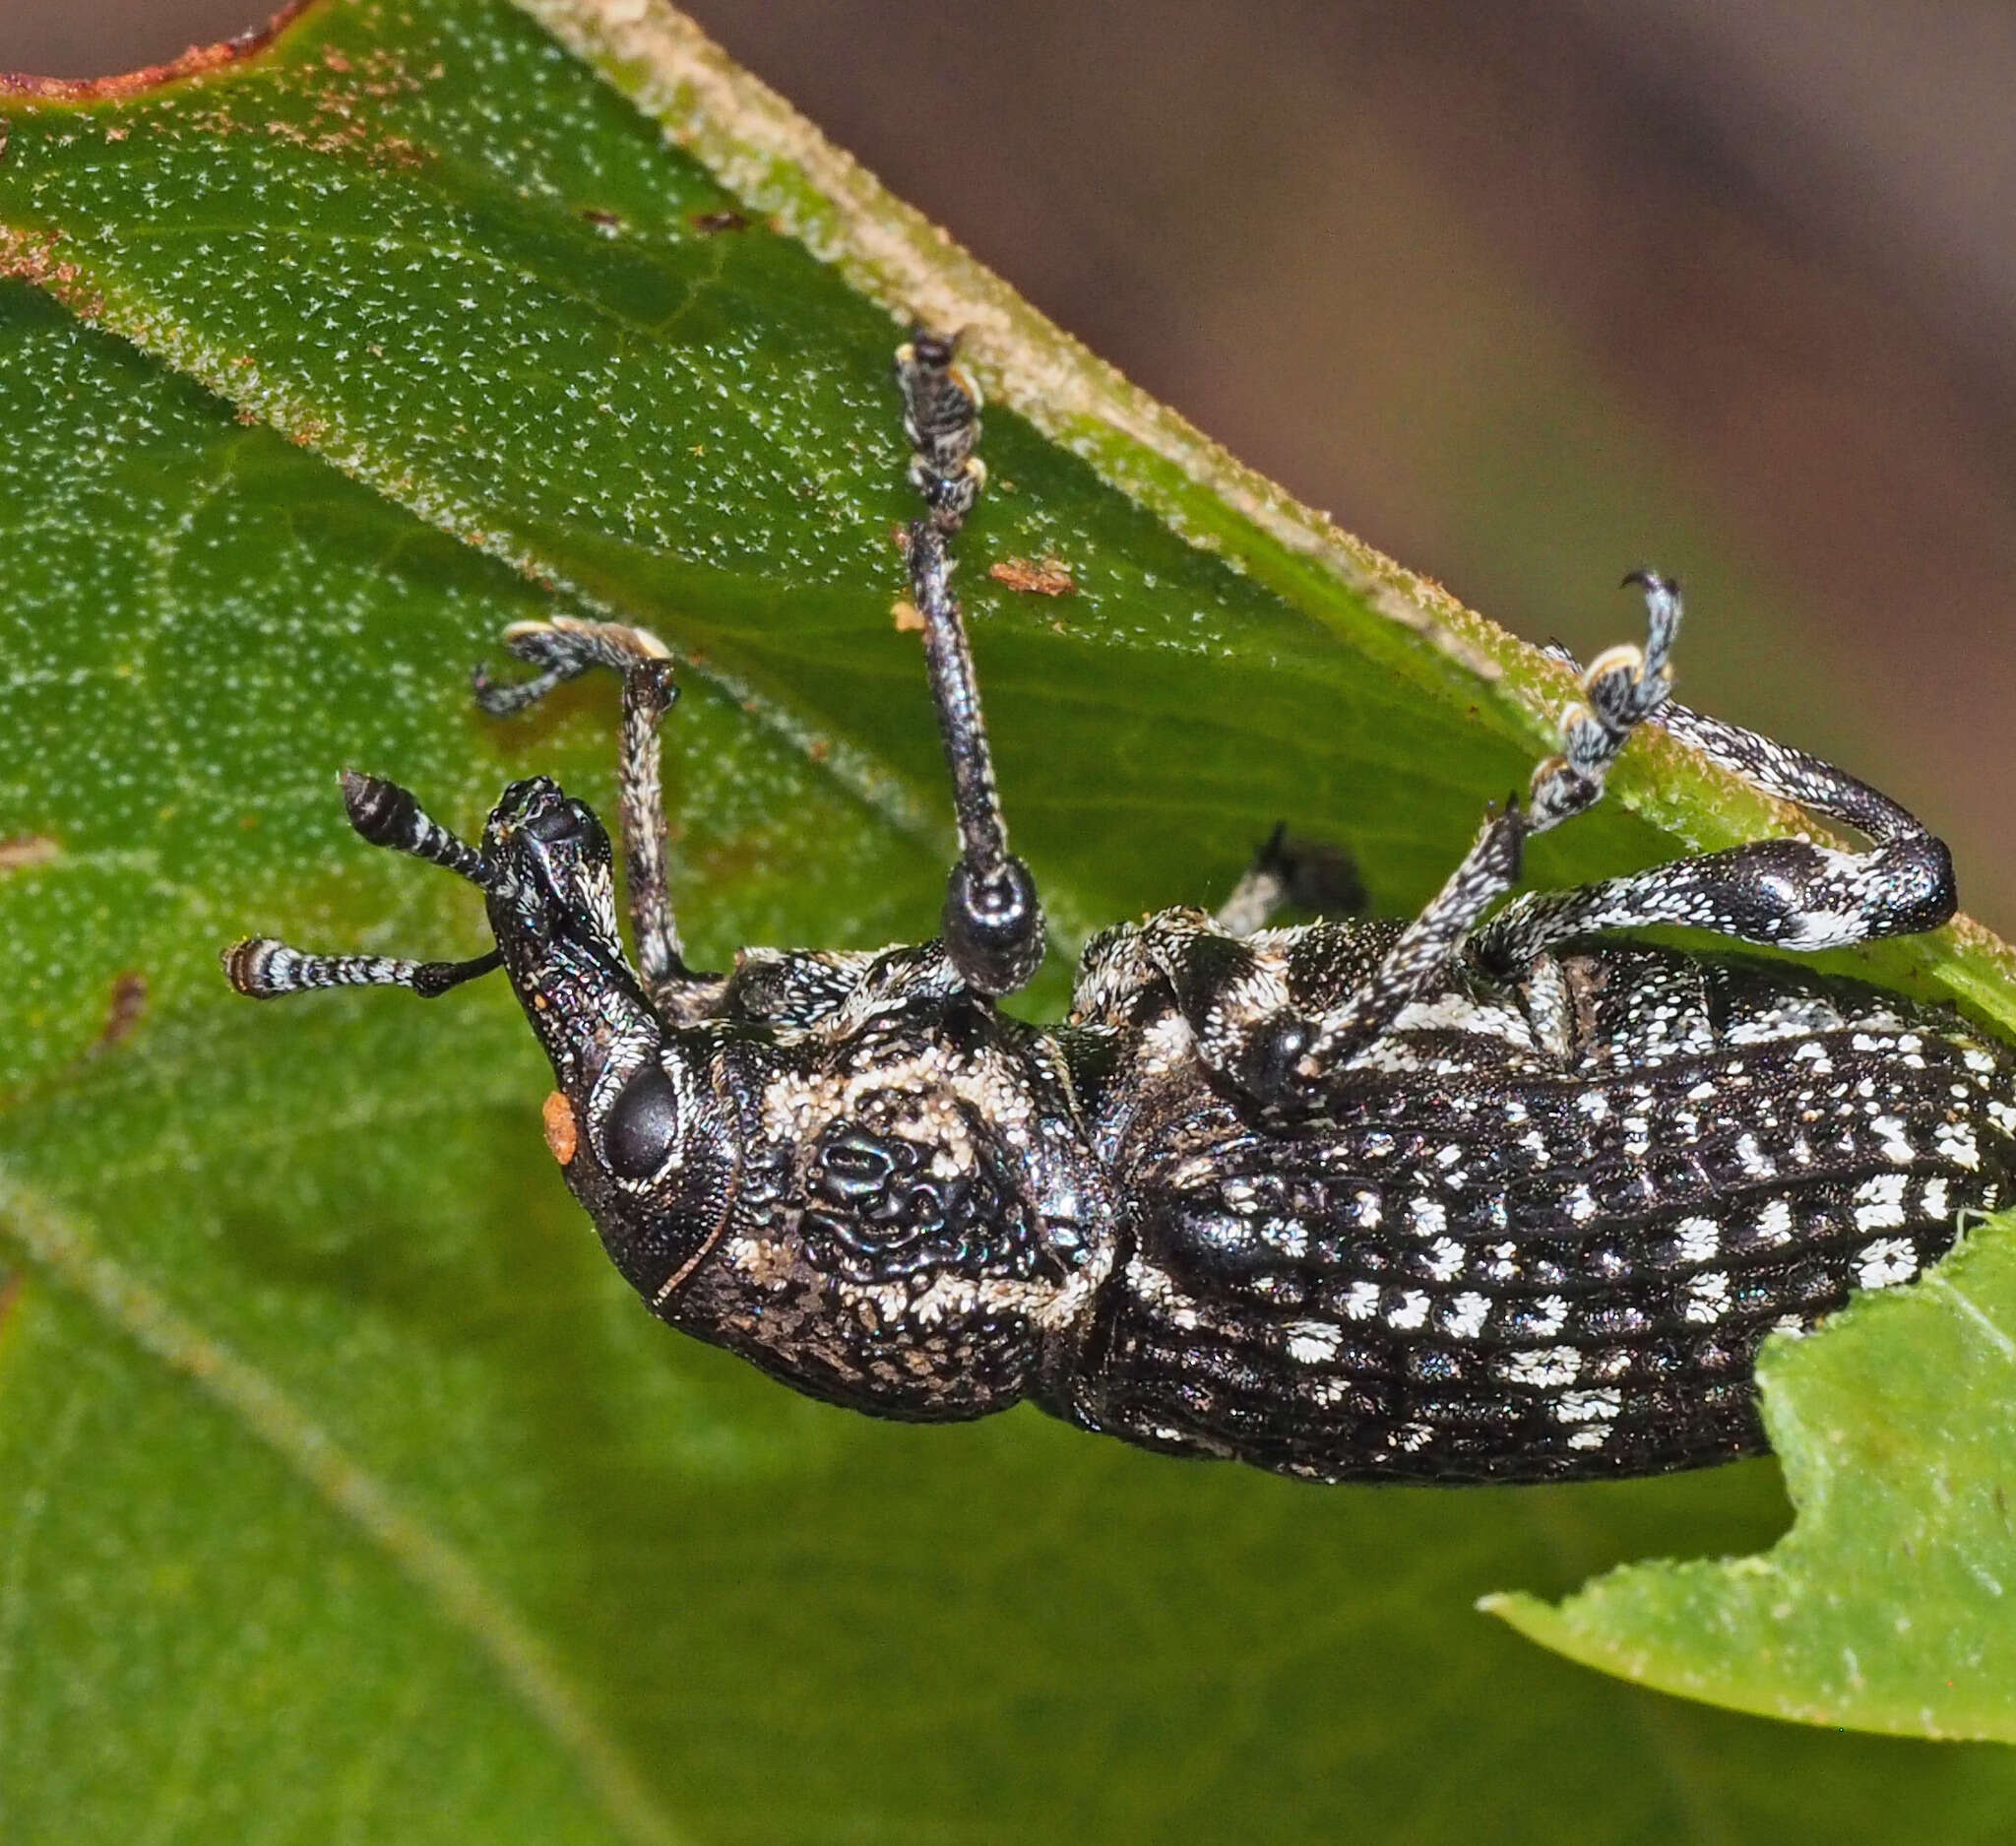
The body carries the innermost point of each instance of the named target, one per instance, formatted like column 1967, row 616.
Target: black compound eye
column 643, row 1125
column 569, row 821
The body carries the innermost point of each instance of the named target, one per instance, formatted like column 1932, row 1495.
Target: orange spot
column 1042, row 576
column 906, row 617
column 561, row 1134
column 28, row 848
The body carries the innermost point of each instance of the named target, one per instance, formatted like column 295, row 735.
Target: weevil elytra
column 1482, row 1197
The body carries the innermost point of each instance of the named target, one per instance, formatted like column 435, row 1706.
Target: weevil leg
column 1622, row 688
column 1287, row 874
column 387, row 815
column 1283, row 1055
column 993, row 920
column 562, row 649
column 1782, row 892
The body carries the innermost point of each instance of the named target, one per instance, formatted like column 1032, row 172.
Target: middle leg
column 993, row 920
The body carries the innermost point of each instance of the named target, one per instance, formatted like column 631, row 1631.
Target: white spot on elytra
column 1362, row 1303
column 1587, row 1406
column 1707, row 1298
column 1773, row 1222
column 1544, row 1368
column 1895, row 1148
column 1886, row 1261
column 1955, row 1140
column 1933, row 1200
column 1550, row 1316
column 1756, row 1163
column 1464, row 1318
column 1445, row 1259
column 1312, row 1342
column 1427, row 1218
column 1700, row 1239
column 1411, row 1312
column 1880, row 1202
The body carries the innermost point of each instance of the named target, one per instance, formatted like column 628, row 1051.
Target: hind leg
column 1784, row 893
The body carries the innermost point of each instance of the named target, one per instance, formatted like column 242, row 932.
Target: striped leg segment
column 1783, row 892
column 1620, row 689
column 563, row 649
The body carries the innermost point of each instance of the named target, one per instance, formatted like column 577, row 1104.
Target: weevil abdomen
column 1491, row 1261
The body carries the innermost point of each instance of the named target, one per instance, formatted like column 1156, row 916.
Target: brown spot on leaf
column 28, row 848
column 1042, row 576
column 713, row 224
column 192, row 63
column 125, row 1010
column 607, row 223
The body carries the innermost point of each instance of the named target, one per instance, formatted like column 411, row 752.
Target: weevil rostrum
column 1481, row 1197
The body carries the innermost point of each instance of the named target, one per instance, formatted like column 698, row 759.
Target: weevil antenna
column 263, row 969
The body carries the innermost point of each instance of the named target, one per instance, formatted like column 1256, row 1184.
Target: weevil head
column 640, row 1126
column 552, row 906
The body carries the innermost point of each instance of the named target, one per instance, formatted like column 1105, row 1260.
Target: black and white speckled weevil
column 1454, row 1201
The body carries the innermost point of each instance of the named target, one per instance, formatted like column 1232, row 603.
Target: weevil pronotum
column 1475, row 1198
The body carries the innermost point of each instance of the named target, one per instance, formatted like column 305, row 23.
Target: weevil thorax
column 919, row 1227
column 644, row 1138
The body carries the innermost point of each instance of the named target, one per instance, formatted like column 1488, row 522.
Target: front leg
column 563, row 649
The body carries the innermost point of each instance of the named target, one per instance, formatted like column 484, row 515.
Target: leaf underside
column 344, row 1491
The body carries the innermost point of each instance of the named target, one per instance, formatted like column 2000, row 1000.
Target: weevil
column 1494, row 1194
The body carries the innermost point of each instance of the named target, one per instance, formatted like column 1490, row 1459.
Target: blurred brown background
column 1525, row 294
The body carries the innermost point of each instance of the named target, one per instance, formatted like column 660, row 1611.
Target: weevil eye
column 643, row 1124
column 571, row 820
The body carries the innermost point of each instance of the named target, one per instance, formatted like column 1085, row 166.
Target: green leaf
column 344, row 1491
column 1886, row 1606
